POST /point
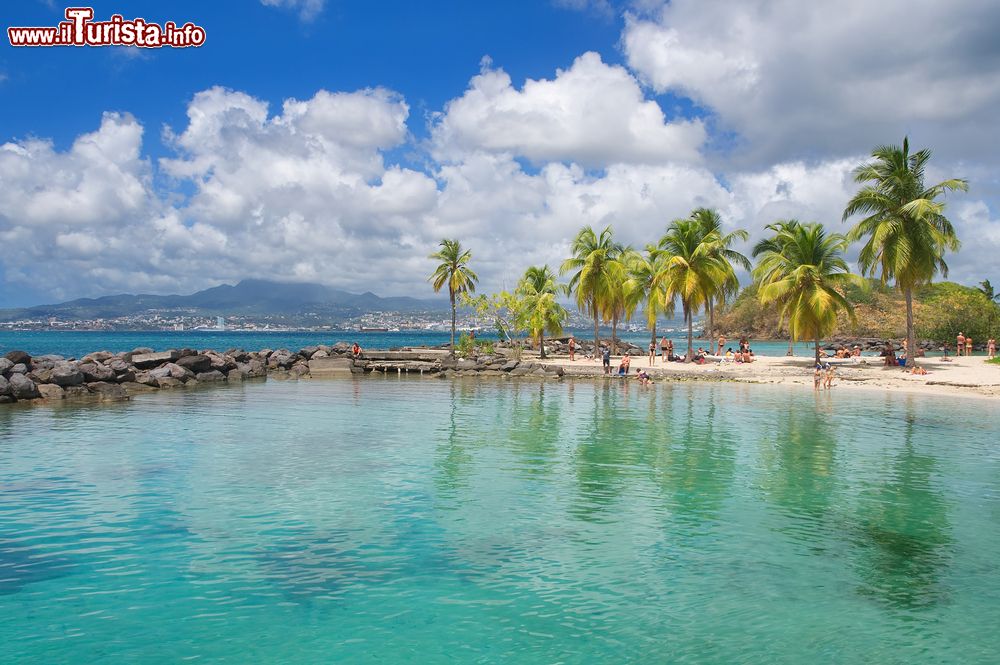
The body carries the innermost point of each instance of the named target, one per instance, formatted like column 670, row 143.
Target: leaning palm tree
column 647, row 285
column 539, row 312
column 906, row 230
column 802, row 270
column 711, row 227
column 591, row 265
column 693, row 269
column 453, row 271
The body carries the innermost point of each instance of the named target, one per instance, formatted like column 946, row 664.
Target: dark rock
column 150, row 360
column 128, row 376
column 66, row 374
column 16, row 357
column 6, row 399
column 4, row 386
column 5, row 365
column 308, row 351
column 21, row 387
column 95, row 372
column 184, row 353
column 107, row 391
column 210, row 376
column 51, row 391
column 509, row 365
column 196, row 364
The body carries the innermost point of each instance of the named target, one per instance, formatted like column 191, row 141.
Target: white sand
column 968, row 376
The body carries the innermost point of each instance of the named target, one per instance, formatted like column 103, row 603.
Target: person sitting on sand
column 729, row 353
column 572, row 349
column 889, row 353
column 960, row 344
column 625, row 363
column 918, row 370
column 356, row 351
column 749, row 357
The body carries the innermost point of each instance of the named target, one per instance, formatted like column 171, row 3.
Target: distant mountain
column 249, row 297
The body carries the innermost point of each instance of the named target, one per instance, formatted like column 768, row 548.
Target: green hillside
column 940, row 310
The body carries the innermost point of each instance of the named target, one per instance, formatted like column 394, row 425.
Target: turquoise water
column 78, row 343
column 387, row 520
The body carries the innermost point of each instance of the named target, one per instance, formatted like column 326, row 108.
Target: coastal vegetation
column 802, row 285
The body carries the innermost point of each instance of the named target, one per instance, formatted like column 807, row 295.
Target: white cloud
column 592, row 114
column 797, row 79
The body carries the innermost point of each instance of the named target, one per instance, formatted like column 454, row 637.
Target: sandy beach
column 964, row 376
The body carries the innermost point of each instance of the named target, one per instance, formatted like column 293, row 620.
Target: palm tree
column 693, row 268
column 618, row 303
column 711, row 225
column 647, row 285
column 783, row 229
column 907, row 232
column 803, row 271
column 539, row 312
column 591, row 264
column 987, row 290
column 453, row 271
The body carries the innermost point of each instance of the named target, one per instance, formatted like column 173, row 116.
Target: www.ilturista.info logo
column 79, row 29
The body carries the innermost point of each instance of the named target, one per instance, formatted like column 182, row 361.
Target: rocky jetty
column 117, row 376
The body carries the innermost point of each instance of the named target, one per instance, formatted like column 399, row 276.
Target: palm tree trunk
column 452, row 294
column 817, row 349
column 911, row 342
column 690, row 320
column 541, row 344
column 791, row 347
column 653, row 341
column 614, row 334
column 710, row 333
column 597, row 334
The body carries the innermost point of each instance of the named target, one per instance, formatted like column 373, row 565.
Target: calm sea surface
column 79, row 343
column 388, row 520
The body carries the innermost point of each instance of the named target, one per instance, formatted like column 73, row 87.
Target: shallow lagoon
column 406, row 520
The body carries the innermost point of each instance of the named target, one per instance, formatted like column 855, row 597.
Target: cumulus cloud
column 592, row 114
column 797, row 79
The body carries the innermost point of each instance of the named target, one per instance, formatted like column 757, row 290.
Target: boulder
column 520, row 371
column 466, row 363
column 236, row 375
column 66, row 374
column 299, row 369
column 320, row 354
column 341, row 347
column 510, row 365
column 184, row 353
column 134, row 388
column 76, row 391
column 21, row 387
column 6, row 399
column 19, row 368
column 107, row 391
column 197, row 364
column 168, row 382
column 141, row 350
column 210, row 376
column 97, row 357
column 16, row 357
column 118, row 366
column 4, row 386
column 308, row 351
column 146, row 379
column 51, row 391
column 128, row 376
column 49, row 358
column 96, row 372
column 150, row 360
column 5, row 365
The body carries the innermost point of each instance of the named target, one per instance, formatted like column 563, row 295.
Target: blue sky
column 336, row 142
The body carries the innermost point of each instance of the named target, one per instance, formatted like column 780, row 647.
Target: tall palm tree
column 647, row 285
column 803, row 271
column 592, row 265
column 987, row 290
column 539, row 312
column 454, row 272
column 618, row 303
column 783, row 229
column 906, row 230
column 711, row 227
column 693, row 270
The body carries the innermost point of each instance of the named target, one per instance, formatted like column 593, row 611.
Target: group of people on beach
column 963, row 346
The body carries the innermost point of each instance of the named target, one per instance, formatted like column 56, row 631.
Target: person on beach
column 572, row 349
column 991, row 348
column 652, row 353
column 828, row 378
column 356, row 351
column 889, row 353
column 961, row 344
column 817, row 376
column 722, row 343
column 670, row 350
column 663, row 349
column 644, row 378
column 606, row 358
column 625, row 363
column 968, row 346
